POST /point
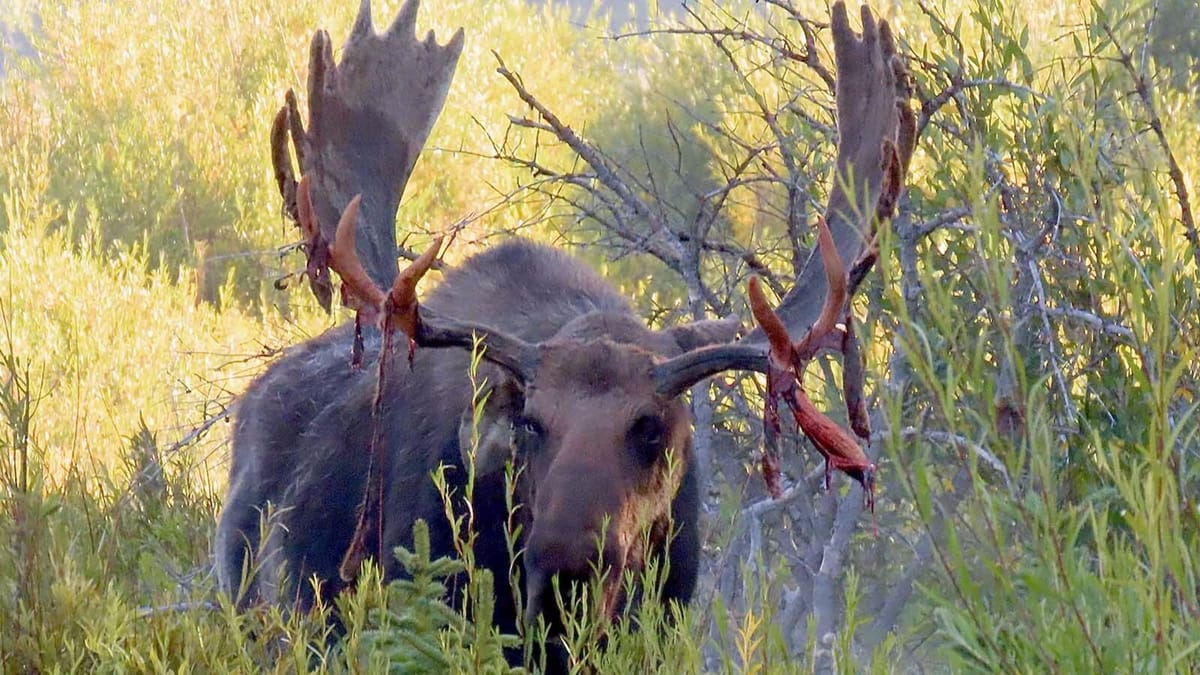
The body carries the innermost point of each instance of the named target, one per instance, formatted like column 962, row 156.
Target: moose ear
column 487, row 432
column 704, row 333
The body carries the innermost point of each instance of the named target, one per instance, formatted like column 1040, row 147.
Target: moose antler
column 369, row 117
column 876, row 137
column 397, row 308
column 392, row 310
column 784, row 364
column 788, row 360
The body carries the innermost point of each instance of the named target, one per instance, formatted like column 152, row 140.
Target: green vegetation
column 1031, row 332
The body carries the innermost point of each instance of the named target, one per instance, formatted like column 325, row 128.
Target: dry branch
column 1143, row 87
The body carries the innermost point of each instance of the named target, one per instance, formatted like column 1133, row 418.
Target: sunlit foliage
column 1032, row 359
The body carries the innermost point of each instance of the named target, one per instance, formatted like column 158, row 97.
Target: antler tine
column 399, row 309
column 358, row 291
column 430, row 330
column 305, row 217
column 772, row 325
column 406, row 19
column 835, row 295
column 281, row 160
column 794, row 354
column 363, row 25
column 681, row 372
column 398, row 305
column 402, row 299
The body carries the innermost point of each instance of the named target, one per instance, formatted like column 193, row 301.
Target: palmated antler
column 369, row 117
column 876, row 138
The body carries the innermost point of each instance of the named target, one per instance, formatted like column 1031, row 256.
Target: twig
column 959, row 85
column 1096, row 322
column 1142, row 86
column 795, row 212
column 827, row 613
column 752, row 261
column 1051, row 344
column 943, row 219
column 198, row 431
column 410, row 254
column 962, row 442
column 604, row 172
column 901, row 590
column 147, row 611
column 778, row 45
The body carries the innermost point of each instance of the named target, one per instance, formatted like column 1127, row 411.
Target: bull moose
column 332, row 462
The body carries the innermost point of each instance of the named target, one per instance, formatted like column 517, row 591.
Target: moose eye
column 647, row 436
column 530, row 435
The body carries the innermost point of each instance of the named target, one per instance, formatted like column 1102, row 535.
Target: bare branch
column 942, row 220
column 198, row 432
column 1097, row 323
column 957, row 85
column 901, row 590
column 146, row 612
column 777, row 44
column 947, row 438
column 605, row 173
column 1143, row 87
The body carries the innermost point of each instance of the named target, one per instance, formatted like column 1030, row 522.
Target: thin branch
column 177, row 608
column 752, row 261
column 779, row 45
column 795, row 211
column 959, row 85
column 1142, row 86
column 962, row 442
column 410, row 254
column 1097, row 323
column 900, row 592
column 1051, row 344
column 198, row 431
column 605, row 173
column 942, row 220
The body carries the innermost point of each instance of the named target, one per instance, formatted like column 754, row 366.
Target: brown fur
column 303, row 430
